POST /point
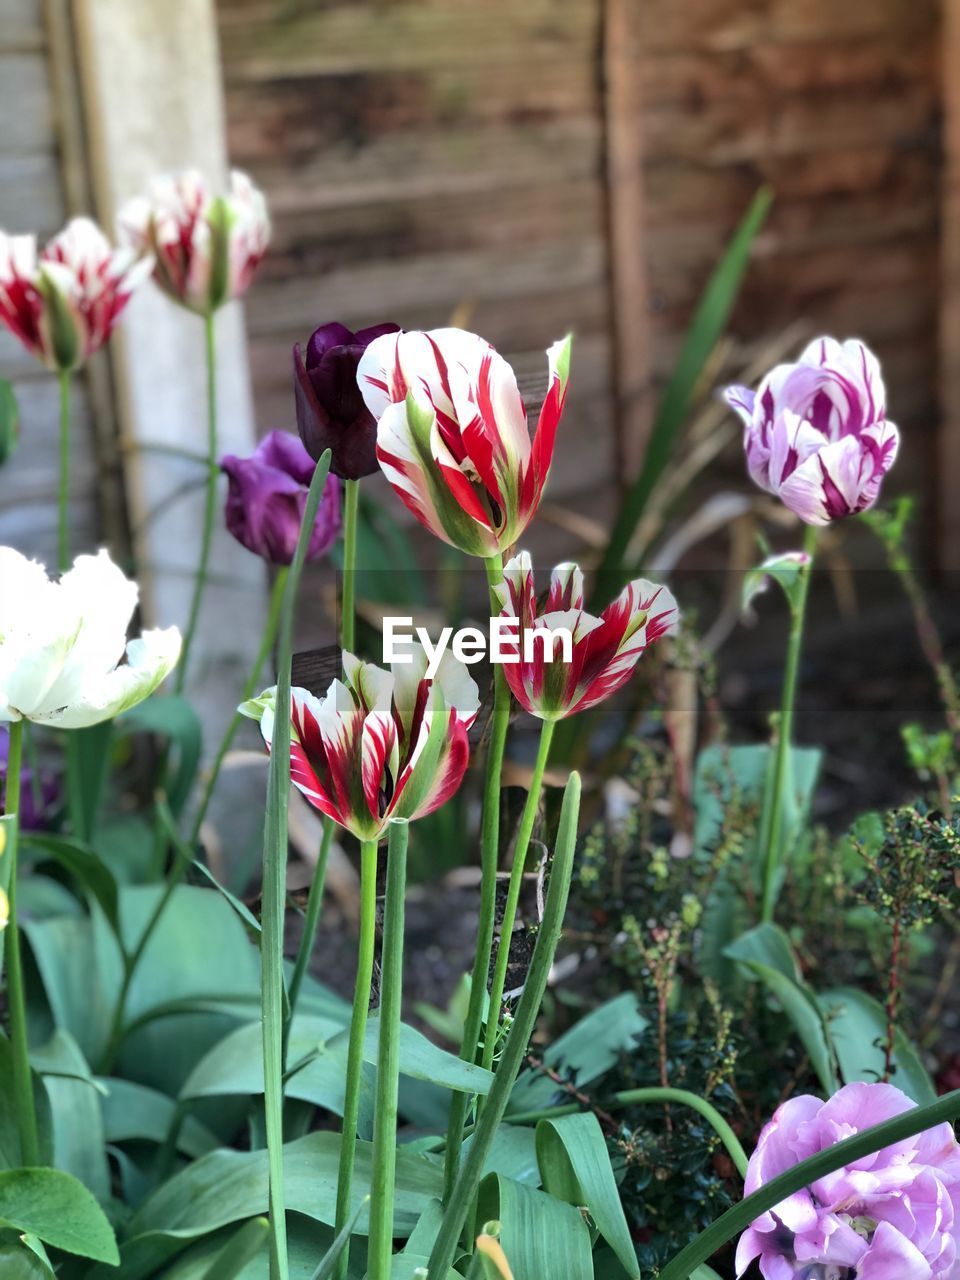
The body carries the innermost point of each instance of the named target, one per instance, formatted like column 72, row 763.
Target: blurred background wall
column 527, row 168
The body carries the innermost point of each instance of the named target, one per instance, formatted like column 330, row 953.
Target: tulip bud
column 452, row 435
column 63, row 304
column 267, row 496
column 331, row 413
column 206, row 248
column 816, row 432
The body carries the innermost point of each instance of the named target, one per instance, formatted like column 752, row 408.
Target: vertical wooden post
column 627, row 249
column 948, row 469
column 151, row 81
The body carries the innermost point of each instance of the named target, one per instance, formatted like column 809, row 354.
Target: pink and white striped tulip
column 206, row 248
column 63, row 304
column 358, row 753
column 452, row 435
column 816, row 432
column 605, row 649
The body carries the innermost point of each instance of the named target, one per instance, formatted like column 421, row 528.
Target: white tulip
column 62, row 644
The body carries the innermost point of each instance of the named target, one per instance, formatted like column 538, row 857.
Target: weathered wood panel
column 836, row 108
column 427, row 158
column 427, row 154
column 32, row 200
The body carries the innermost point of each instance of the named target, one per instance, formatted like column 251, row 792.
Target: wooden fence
column 579, row 164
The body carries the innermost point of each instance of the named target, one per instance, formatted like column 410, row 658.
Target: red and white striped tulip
column 605, row 650
column 452, row 435
column 359, row 754
column 206, row 248
column 63, row 303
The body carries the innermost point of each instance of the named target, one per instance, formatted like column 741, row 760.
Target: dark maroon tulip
column 267, row 497
column 331, row 413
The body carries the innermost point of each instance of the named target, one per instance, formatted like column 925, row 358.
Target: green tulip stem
column 273, row 996
column 348, row 603
column 16, row 1001
column 517, row 1041
column 528, row 818
column 489, row 864
column 210, row 503
column 771, row 825
column 311, row 920
column 348, row 632
column 358, row 1032
column 249, row 690
column 63, row 495
column 388, row 1059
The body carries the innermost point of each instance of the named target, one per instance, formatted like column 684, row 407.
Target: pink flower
column 206, row 247
column 453, row 438
column 816, row 432
column 357, row 753
column 604, row 651
column 63, row 304
column 894, row 1215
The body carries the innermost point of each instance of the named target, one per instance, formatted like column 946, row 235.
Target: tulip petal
column 149, row 660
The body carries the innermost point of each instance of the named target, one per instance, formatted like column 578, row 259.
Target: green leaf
column 858, row 1028
column 235, row 1064
column 241, row 908
column 808, row 1171
column 10, row 1157
column 174, row 718
column 226, row 1187
column 134, row 1113
column 575, row 1166
column 766, row 952
column 721, row 771
column 22, row 1264
column 59, row 1210
column 330, row 1259
column 308, row 1241
column 198, row 950
column 81, row 862
column 421, row 1059
column 786, row 569
column 75, row 1106
column 88, row 751
column 250, row 1240
column 542, row 1236
column 589, row 1049
column 513, row 1152
column 705, row 332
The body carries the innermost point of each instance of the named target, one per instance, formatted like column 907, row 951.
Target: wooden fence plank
column 948, row 470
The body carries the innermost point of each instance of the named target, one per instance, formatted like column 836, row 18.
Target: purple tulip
column 39, row 796
column 331, row 413
column 267, row 497
column 816, row 432
column 894, row 1215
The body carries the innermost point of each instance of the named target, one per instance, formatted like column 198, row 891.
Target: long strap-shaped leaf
column 468, row 1179
column 273, row 992
column 803, row 1174
column 704, row 334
